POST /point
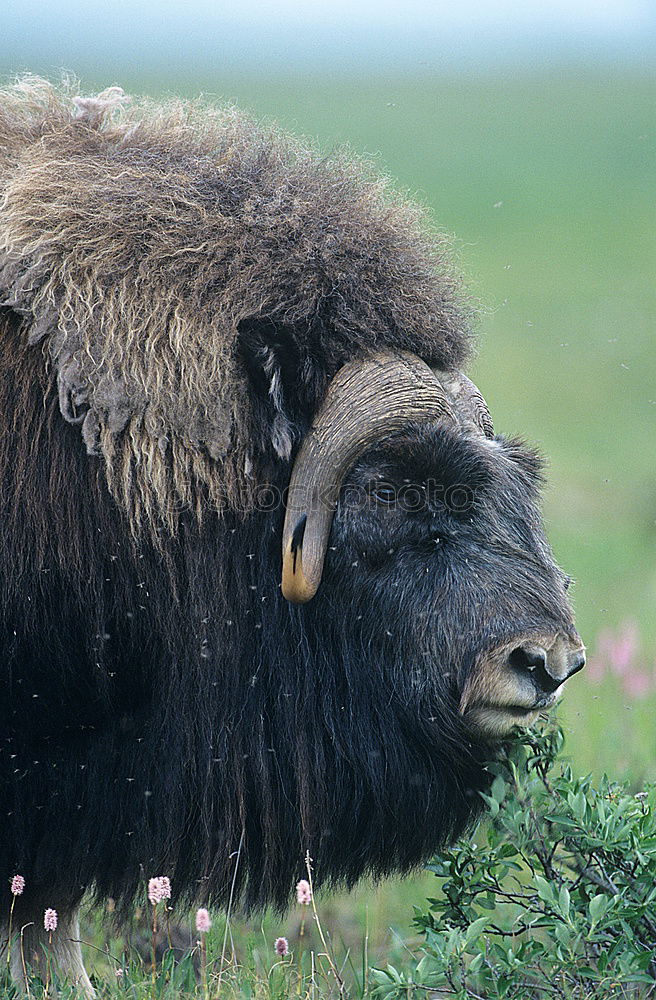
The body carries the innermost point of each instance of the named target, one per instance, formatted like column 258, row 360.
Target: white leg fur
column 65, row 953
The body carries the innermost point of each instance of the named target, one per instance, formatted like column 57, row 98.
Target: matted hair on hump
column 138, row 240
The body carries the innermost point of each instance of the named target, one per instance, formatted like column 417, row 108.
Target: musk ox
column 270, row 583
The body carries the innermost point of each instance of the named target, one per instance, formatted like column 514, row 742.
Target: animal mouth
column 496, row 720
column 511, row 685
column 537, row 706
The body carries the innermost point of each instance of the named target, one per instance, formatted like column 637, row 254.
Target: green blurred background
column 532, row 141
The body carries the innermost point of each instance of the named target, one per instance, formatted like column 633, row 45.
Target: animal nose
column 532, row 660
column 547, row 670
column 576, row 662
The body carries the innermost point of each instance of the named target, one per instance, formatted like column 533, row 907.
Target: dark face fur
column 438, row 540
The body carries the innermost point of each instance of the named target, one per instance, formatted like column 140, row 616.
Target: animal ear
column 273, row 361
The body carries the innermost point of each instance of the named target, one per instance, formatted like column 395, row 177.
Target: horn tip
column 296, row 587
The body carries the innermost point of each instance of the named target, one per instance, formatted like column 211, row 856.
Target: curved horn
column 367, row 400
column 467, row 400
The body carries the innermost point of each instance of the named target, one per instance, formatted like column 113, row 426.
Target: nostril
column 528, row 659
column 532, row 660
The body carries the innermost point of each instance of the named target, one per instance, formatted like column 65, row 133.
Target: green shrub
column 554, row 896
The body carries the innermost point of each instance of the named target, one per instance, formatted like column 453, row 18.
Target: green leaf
column 566, row 821
column 476, row 929
column 545, row 889
column 498, row 789
column 563, row 934
column 394, row 974
column 491, row 803
column 476, row 962
column 598, row 907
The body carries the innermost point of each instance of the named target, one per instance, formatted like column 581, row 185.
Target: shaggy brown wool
column 140, row 243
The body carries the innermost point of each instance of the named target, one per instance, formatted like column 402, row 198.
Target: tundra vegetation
column 553, row 896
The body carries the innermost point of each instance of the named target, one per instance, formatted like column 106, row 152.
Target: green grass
column 368, row 927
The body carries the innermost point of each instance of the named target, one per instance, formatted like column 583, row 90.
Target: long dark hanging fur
column 165, row 700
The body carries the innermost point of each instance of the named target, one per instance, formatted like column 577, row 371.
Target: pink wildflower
column 203, row 922
column 119, row 973
column 159, row 888
column 304, row 892
column 17, row 885
column 281, row 946
column 618, row 654
column 50, row 920
column 623, row 649
column 637, row 684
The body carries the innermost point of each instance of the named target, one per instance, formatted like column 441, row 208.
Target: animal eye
column 385, row 495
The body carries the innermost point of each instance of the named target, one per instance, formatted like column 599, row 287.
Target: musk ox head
column 435, row 531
